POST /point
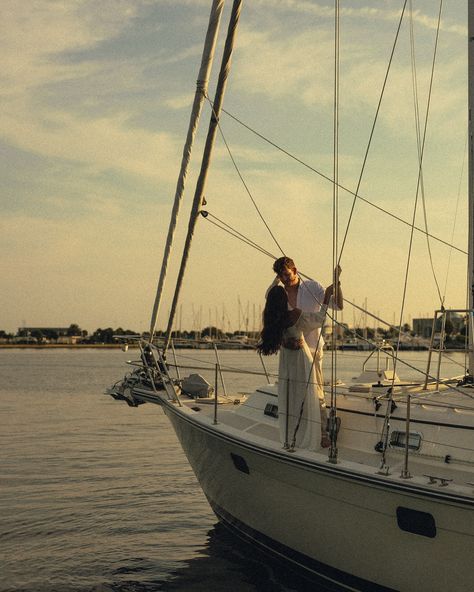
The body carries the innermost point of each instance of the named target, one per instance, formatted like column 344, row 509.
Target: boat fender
column 377, row 404
column 447, row 459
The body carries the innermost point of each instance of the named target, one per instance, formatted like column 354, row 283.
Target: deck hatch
column 416, row 522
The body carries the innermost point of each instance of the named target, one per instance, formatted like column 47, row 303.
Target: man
column 308, row 296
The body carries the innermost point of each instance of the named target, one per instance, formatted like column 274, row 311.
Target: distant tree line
column 453, row 334
column 106, row 336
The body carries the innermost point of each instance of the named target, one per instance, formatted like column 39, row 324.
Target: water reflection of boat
column 228, row 560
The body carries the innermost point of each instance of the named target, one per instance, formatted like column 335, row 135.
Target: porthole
column 240, row 463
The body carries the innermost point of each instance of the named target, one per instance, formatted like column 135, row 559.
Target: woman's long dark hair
column 275, row 321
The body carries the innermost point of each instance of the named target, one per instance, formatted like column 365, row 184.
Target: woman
column 297, row 386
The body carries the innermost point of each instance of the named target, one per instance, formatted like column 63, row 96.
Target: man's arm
column 337, row 299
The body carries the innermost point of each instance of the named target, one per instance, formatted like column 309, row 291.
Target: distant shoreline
column 64, row 346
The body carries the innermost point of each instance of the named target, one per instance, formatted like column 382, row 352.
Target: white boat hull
column 318, row 516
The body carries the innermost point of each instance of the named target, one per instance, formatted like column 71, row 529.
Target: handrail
column 384, row 346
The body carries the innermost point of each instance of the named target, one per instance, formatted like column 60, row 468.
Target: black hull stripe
column 311, row 567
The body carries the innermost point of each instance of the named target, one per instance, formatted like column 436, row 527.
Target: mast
column 201, row 182
column 201, row 91
column 470, row 277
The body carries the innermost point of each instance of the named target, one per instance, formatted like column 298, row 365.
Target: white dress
column 297, row 384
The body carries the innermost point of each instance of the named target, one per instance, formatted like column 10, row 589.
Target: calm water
column 97, row 496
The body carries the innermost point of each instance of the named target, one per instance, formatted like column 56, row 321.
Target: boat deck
column 248, row 420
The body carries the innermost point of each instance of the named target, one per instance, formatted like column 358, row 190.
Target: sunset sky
column 95, row 104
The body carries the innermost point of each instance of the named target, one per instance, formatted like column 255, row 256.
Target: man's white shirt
column 309, row 298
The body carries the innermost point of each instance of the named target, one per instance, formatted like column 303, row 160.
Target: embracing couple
column 294, row 313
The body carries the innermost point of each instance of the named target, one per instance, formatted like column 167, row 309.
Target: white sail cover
column 201, row 91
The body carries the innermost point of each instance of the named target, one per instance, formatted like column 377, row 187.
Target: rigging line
column 327, row 178
column 384, row 351
column 448, row 445
column 309, row 382
column 241, row 238
column 405, row 363
column 238, row 235
column 456, row 212
column 421, row 142
column 372, row 131
column 206, row 157
column 386, row 425
column 201, row 85
column 234, row 233
column 211, row 368
column 242, row 179
column 425, row 400
column 394, row 357
column 248, row 240
column 335, row 220
column 232, row 369
column 251, row 243
column 448, row 358
column 466, row 336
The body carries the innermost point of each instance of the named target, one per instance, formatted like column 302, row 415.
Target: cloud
column 34, row 32
column 364, row 13
column 278, row 66
column 180, row 101
column 101, row 143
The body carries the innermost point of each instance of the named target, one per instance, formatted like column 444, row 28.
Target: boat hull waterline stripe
column 311, row 566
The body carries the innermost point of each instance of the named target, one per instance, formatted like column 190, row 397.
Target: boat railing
column 441, row 317
column 405, row 474
column 154, row 366
column 377, row 352
column 156, row 369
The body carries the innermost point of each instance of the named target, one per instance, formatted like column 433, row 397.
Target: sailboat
column 390, row 505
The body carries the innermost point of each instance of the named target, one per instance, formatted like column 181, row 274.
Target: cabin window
column 416, row 522
column 398, row 440
column 271, row 410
